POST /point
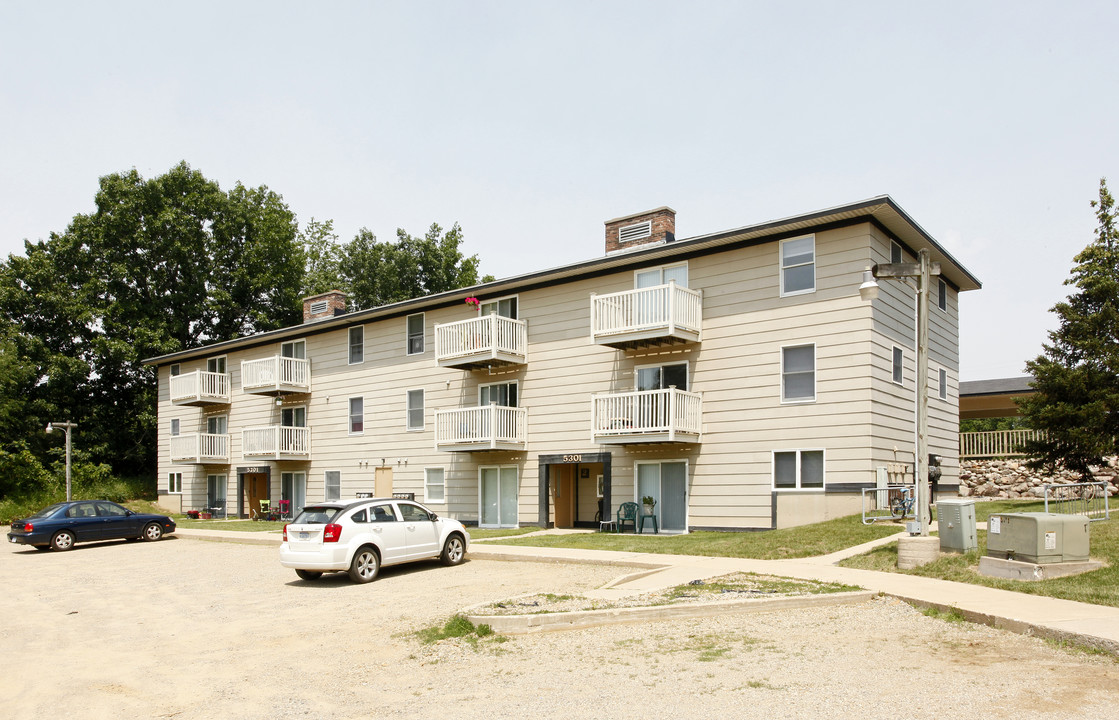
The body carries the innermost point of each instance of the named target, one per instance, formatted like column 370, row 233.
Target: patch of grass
column 477, row 533
column 804, row 541
column 458, row 626
column 757, row 585
column 951, row 615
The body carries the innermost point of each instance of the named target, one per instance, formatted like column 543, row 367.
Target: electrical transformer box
column 1038, row 537
column 955, row 519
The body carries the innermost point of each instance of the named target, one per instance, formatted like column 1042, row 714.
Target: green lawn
column 805, row 541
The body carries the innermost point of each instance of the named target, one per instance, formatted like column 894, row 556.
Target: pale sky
column 530, row 123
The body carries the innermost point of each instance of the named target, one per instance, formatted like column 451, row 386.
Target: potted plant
column 193, row 514
column 649, row 503
column 205, row 515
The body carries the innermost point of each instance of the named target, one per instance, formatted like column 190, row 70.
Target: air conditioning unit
column 955, row 518
column 1038, row 537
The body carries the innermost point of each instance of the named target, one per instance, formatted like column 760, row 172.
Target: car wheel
column 308, row 574
column 454, row 550
column 365, row 565
column 152, row 532
column 62, row 541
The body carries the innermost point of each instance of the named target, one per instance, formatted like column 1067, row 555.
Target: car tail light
column 331, row 533
column 28, row 527
column 285, row 532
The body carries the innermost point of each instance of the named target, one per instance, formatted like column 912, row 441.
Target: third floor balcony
column 276, row 375
column 482, row 342
column 200, row 388
column 200, row 448
column 647, row 316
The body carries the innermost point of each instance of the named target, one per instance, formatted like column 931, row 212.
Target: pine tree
column 1076, row 378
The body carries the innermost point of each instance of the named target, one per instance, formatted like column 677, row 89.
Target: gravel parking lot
column 193, row 630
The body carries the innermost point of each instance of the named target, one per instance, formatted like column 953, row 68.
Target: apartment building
column 737, row 377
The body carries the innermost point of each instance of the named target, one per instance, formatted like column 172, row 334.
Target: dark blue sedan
column 61, row 525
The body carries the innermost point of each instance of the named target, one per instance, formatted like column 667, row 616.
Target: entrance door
column 382, row 482
column 498, row 496
column 256, row 489
column 563, row 494
column 667, row 483
column 293, row 488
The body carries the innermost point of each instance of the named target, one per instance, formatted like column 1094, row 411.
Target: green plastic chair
column 627, row 512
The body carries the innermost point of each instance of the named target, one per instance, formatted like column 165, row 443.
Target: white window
column 415, row 334
column 216, row 365
column 174, row 426
column 661, row 276
column 942, row 295
column 798, row 265
column 357, row 415
column 332, row 481
column 434, row 485
column 294, row 349
column 899, row 360
column 660, row 377
column 942, row 389
column 217, row 424
column 175, row 483
column 798, row 470
column 895, row 253
column 798, row 373
column 294, row 416
column 504, row 394
column 415, row 409
column 503, row 307
column 357, row 345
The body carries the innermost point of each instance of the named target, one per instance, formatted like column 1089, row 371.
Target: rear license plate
column 304, row 535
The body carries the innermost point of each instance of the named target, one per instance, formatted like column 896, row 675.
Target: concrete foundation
column 1018, row 570
column 915, row 551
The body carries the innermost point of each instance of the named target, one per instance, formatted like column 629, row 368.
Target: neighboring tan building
column 737, row 377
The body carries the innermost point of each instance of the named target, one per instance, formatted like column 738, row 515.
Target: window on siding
column 662, row 276
column 176, row 369
column 899, row 361
column 415, row 409
column 942, row 295
column 434, row 485
column 503, row 307
column 174, row 426
column 294, row 349
column 416, row 334
column 661, row 377
column 357, row 345
column 216, row 365
column 504, row 394
column 798, row 373
column 895, row 253
column 357, row 415
column 333, row 485
column 217, row 424
column 175, row 483
column 942, row 390
column 798, row 470
column 798, row 265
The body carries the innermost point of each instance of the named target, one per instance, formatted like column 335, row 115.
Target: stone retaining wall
column 1010, row 478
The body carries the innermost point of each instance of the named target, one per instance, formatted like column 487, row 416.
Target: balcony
column 483, row 342
column 200, row 388
column 492, row 427
column 646, row 416
column 276, row 442
column 200, row 449
column 276, row 376
column 665, row 314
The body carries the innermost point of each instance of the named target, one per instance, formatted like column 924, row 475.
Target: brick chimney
column 326, row 305
column 646, row 228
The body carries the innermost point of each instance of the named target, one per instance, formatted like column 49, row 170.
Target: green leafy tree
column 323, row 257
column 1077, row 375
column 378, row 273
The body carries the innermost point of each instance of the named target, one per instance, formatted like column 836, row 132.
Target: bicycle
column 902, row 505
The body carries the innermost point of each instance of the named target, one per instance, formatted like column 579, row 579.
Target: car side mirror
column 127, row 513
column 434, row 517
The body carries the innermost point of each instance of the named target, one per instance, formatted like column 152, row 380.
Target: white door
column 667, row 484
column 293, row 489
column 421, row 533
column 498, row 495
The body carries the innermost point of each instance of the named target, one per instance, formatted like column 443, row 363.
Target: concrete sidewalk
column 1092, row 625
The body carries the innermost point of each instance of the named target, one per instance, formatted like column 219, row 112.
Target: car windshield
column 315, row 515
column 48, row 511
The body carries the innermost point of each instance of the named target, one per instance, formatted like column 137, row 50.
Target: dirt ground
column 194, row 630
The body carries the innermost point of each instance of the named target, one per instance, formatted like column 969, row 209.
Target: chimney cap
column 643, row 213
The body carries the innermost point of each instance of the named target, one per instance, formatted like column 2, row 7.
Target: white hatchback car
column 359, row 536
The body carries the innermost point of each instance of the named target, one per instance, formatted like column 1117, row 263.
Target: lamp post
column 67, row 426
column 922, row 271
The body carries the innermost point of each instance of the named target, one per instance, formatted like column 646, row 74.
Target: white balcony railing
column 200, row 448
column 276, row 441
column 669, row 415
column 277, row 373
column 488, row 338
column 200, row 386
column 665, row 310
column 490, row 427
column 995, row 443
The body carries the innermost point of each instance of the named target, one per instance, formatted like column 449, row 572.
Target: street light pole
column 922, row 271
column 67, row 426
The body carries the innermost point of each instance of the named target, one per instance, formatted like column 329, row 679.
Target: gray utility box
column 1038, row 537
column 955, row 518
